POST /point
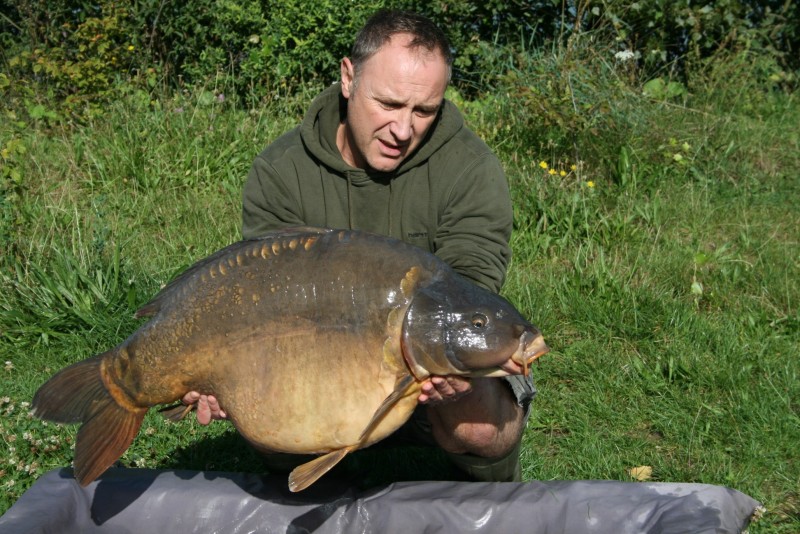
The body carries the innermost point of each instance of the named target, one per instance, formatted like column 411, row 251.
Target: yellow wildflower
column 573, row 168
column 131, row 48
column 563, row 173
column 551, row 171
column 590, row 184
column 543, row 164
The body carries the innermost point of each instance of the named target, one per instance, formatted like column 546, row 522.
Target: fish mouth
column 531, row 347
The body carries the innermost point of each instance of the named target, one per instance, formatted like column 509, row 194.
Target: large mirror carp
column 313, row 340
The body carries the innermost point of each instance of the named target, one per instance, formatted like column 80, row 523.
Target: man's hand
column 443, row 389
column 208, row 407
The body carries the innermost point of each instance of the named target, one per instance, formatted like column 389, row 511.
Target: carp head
column 453, row 327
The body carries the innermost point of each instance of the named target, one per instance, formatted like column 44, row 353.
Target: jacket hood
column 318, row 132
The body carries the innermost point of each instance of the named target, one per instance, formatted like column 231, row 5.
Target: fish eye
column 479, row 320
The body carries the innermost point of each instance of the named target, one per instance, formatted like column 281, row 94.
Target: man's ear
column 348, row 75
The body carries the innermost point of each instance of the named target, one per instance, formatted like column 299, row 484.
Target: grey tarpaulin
column 139, row 500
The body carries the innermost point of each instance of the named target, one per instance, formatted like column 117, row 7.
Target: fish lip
column 531, row 347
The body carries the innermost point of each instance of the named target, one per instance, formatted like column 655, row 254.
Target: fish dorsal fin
column 168, row 291
column 388, row 403
column 304, row 475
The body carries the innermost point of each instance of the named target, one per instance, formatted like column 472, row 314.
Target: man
column 382, row 151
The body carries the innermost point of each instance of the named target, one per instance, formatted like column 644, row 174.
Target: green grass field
column 656, row 247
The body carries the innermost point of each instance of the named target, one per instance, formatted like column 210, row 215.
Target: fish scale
column 315, row 341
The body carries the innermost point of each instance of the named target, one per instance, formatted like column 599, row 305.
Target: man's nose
column 403, row 125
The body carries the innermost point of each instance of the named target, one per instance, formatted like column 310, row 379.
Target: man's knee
column 486, row 440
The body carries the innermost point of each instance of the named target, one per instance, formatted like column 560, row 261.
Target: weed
column 666, row 286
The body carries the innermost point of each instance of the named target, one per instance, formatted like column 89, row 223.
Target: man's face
column 393, row 104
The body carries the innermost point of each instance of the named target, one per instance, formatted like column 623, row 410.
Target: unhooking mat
column 151, row 501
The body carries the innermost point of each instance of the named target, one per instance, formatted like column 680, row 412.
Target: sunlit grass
column 662, row 264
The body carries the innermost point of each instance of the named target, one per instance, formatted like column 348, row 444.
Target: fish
column 315, row 341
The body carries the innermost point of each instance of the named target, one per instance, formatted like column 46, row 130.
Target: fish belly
column 310, row 392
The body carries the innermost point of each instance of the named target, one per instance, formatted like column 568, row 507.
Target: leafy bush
column 75, row 50
column 74, row 55
column 554, row 106
column 12, row 189
column 678, row 36
column 253, row 49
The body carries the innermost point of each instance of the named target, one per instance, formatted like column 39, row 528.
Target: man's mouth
column 391, row 150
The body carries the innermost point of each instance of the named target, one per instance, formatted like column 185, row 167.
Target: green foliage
column 12, row 188
column 566, row 94
column 32, row 447
column 258, row 50
column 760, row 83
column 680, row 35
column 661, row 89
column 310, row 45
column 197, row 41
column 655, row 212
column 65, row 296
column 76, row 52
column 470, row 26
column 673, row 324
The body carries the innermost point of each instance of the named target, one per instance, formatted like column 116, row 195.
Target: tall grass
column 655, row 244
column 666, row 279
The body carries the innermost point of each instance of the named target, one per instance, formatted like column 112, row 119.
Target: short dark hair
column 385, row 23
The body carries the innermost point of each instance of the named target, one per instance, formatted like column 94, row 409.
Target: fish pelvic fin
column 177, row 412
column 400, row 389
column 308, row 473
column 77, row 394
column 304, row 475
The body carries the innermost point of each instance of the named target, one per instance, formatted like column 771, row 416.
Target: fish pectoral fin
column 176, row 412
column 400, row 390
column 304, row 475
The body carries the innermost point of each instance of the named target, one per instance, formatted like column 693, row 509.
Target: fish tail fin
column 68, row 396
column 304, row 475
column 104, row 438
column 77, row 394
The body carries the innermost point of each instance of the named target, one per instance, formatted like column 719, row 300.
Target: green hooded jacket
column 449, row 197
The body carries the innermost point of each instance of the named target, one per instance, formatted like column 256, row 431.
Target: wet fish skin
column 274, row 325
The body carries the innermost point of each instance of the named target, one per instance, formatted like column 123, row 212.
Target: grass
column 663, row 270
